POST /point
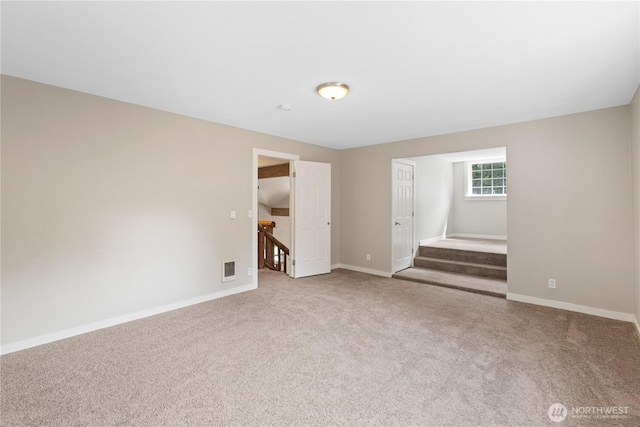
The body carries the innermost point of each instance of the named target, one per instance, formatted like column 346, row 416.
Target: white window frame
column 468, row 184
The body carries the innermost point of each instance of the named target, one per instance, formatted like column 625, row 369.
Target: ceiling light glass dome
column 333, row 90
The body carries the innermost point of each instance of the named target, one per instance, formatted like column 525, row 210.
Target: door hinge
column 294, row 174
column 293, row 262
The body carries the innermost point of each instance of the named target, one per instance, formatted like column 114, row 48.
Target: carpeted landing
column 462, row 282
column 339, row 349
column 473, row 265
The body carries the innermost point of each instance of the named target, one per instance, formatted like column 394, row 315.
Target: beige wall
column 635, row 164
column 475, row 217
column 111, row 209
column 569, row 205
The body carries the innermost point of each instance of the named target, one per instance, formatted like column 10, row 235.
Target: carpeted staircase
column 468, row 264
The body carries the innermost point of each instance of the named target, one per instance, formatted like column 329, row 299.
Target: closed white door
column 312, row 218
column 402, row 214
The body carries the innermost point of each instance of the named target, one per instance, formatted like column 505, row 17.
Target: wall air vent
column 228, row 270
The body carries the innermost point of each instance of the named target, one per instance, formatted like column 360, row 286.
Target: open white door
column 402, row 213
column 312, row 218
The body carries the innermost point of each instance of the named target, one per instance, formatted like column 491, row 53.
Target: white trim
column 68, row 333
column 636, row 321
column 431, row 240
column 257, row 152
column 627, row 317
column 362, row 270
column 480, row 197
column 476, row 236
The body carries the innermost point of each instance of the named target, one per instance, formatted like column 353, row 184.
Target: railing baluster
column 266, row 245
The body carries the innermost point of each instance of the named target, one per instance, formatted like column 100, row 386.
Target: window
column 487, row 179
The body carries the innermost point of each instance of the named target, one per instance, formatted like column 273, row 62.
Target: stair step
column 462, row 267
column 486, row 286
column 477, row 257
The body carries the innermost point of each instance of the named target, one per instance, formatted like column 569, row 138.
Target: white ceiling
column 416, row 68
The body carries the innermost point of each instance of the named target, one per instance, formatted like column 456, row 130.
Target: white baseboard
column 616, row 315
column 68, row 333
column 362, row 270
column 477, row 236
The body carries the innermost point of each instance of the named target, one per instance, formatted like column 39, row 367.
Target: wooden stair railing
column 267, row 247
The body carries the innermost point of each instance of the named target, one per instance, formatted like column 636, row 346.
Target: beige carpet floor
column 345, row 349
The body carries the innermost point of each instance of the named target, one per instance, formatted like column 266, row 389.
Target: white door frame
column 413, row 218
column 257, row 152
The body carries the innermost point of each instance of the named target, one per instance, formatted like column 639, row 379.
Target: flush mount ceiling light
column 333, row 90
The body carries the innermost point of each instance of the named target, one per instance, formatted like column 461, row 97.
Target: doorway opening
column 461, row 221
column 309, row 200
column 272, row 195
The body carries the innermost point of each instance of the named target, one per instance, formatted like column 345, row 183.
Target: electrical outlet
column 552, row 283
column 250, row 271
column 368, row 257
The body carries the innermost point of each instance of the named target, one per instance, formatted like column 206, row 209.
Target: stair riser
column 449, row 285
column 499, row 260
column 472, row 270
